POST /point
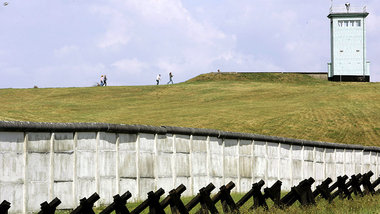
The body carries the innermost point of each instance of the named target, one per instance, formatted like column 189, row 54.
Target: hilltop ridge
column 257, row 77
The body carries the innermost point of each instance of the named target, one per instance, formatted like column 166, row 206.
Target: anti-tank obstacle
column 343, row 187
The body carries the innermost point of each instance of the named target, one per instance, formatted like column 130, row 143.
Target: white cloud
column 66, row 50
column 113, row 39
column 117, row 25
column 130, row 66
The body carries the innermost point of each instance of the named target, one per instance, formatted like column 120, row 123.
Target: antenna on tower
column 347, row 6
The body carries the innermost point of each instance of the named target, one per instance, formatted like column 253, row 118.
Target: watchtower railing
column 350, row 9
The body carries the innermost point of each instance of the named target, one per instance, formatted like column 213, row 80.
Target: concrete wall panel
column 198, row 163
column 182, row 165
column 284, row 151
column 231, row 166
column 38, row 142
column 63, row 166
column 245, row 185
column 245, row 167
column 308, row 153
column 106, row 163
column 230, row 147
column 330, row 170
column 319, row 155
column 373, row 166
column 12, row 167
column 127, row 164
column 285, row 169
column 199, row 144
column 272, row 150
column 259, row 167
column 166, row 184
column 358, row 160
column 366, row 162
column 37, row 191
column 260, row 148
column 245, row 147
column 127, row 142
column 216, row 165
column 297, row 152
column 86, row 141
column 273, row 161
column 349, row 169
column 216, row 146
column 297, row 169
column 366, row 157
column 339, row 169
column 146, row 165
column 349, row 156
column 63, row 142
column 147, row 142
column 64, row 191
column 38, row 167
column 164, row 164
column 182, row 143
column 11, row 141
column 127, row 184
column 146, row 185
column 107, row 141
column 166, row 146
column 107, row 189
column 339, row 156
column 308, row 169
column 330, row 156
column 85, row 164
column 13, row 193
column 85, row 188
column 199, row 182
column 273, row 169
column 319, row 168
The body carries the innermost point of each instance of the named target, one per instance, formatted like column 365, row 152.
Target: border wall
column 41, row 161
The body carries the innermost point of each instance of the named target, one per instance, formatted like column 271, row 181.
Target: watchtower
column 348, row 44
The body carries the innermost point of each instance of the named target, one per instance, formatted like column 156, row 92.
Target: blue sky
column 70, row 43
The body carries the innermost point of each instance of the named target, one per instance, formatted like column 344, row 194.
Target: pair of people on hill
column 170, row 78
column 103, row 80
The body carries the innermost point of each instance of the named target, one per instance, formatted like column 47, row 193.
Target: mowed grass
column 286, row 105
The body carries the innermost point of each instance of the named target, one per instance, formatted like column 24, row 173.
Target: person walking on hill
column 158, row 79
column 170, row 78
column 101, row 80
column 105, row 80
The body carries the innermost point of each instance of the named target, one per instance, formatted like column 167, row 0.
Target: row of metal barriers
column 359, row 184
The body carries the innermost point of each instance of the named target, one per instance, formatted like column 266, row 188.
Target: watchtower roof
column 351, row 11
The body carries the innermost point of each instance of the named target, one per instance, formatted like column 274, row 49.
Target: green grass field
column 286, row 105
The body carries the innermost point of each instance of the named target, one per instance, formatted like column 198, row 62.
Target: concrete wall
column 40, row 161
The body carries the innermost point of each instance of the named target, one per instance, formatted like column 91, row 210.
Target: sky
column 71, row 43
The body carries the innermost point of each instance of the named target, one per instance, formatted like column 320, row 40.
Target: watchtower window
column 349, row 23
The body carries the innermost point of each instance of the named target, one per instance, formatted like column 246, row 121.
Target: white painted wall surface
column 39, row 166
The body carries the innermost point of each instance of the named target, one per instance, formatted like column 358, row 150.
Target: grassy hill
column 287, row 105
